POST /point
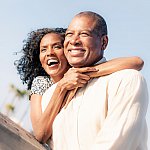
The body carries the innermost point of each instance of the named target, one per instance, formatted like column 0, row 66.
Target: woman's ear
column 104, row 41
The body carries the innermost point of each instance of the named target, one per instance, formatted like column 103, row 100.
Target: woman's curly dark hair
column 29, row 65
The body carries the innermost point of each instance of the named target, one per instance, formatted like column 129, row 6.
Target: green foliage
column 18, row 93
column 10, row 107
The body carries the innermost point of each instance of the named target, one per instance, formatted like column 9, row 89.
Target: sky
column 128, row 30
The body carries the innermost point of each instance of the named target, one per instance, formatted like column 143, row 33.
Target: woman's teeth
column 51, row 62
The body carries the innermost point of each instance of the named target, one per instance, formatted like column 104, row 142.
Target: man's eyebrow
column 87, row 30
column 68, row 31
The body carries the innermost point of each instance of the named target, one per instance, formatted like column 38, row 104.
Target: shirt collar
column 101, row 61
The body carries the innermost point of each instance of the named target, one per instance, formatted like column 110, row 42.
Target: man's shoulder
column 127, row 73
column 126, row 76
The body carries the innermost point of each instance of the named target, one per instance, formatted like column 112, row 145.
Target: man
column 109, row 112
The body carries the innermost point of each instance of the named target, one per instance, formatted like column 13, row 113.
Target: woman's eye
column 43, row 50
column 57, row 47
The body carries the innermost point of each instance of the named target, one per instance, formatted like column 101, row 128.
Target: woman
column 43, row 63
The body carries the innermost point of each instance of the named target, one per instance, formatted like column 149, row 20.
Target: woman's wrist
column 62, row 86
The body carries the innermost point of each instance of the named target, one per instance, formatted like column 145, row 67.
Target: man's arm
column 124, row 127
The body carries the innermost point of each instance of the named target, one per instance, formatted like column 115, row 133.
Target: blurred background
column 128, row 30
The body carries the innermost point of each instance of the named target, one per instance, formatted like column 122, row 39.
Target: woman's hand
column 75, row 77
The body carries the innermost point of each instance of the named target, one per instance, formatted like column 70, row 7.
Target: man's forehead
column 79, row 29
column 80, row 23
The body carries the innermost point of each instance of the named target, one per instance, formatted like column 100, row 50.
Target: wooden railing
column 14, row 137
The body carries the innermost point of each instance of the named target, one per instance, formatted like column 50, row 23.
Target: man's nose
column 75, row 40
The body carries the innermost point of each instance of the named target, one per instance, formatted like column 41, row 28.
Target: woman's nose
column 50, row 51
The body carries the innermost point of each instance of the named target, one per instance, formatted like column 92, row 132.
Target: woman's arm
column 110, row 67
column 116, row 65
column 42, row 121
column 73, row 79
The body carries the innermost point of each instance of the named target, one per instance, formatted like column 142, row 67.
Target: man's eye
column 84, row 34
column 68, row 34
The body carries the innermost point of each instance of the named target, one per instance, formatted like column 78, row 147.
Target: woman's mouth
column 52, row 62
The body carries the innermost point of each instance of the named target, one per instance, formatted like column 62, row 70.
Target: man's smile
column 76, row 52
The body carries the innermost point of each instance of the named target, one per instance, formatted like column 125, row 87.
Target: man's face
column 82, row 46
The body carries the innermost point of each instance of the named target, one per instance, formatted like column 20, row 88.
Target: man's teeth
column 52, row 62
column 80, row 51
column 76, row 50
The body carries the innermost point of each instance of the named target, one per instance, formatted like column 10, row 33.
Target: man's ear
column 104, row 41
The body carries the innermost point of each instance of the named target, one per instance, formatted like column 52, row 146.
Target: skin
column 51, row 48
column 82, row 47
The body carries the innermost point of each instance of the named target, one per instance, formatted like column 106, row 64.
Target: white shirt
column 107, row 114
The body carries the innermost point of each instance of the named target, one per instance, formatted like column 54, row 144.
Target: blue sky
column 128, row 28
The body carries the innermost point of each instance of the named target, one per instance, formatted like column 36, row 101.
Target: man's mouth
column 76, row 52
column 52, row 62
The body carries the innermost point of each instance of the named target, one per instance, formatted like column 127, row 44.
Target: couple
column 107, row 112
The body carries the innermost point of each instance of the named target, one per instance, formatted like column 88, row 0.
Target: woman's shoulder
column 40, row 84
column 41, row 79
column 47, row 96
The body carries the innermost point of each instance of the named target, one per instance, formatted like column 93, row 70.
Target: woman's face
column 52, row 56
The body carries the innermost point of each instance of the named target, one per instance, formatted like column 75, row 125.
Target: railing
column 14, row 137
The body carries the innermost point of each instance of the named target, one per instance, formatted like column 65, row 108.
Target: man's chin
column 77, row 64
column 76, row 61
